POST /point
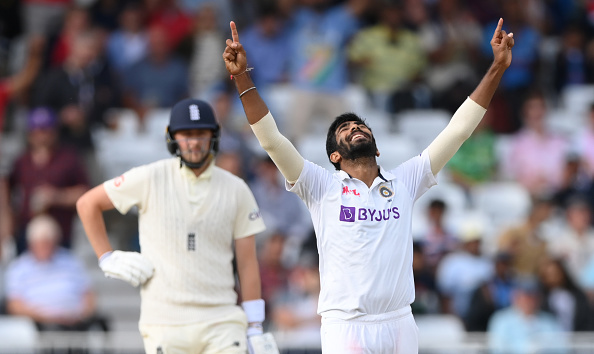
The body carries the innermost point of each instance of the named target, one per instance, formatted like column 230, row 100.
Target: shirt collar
column 383, row 174
column 204, row 176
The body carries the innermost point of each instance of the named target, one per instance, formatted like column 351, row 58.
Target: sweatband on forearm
column 460, row 127
column 284, row 155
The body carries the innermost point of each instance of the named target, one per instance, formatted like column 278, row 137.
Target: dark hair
column 438, row 203
column 331, row 143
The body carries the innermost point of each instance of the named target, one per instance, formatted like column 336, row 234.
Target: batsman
column 192, row 215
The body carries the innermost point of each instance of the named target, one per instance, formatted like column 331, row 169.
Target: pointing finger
column 234, row 33
column 497, row 33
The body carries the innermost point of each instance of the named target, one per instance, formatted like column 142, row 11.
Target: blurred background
column 504, row 251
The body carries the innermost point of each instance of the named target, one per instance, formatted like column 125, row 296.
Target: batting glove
column 258, row 341
column 131, row 267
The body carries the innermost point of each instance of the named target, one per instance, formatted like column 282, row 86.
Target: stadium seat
column 394, row 149
column 438, row 330
column 422, row 125
column 578, row 98
column 504, row 202
column 313, row 148
column 17, row 334
column 565, row 122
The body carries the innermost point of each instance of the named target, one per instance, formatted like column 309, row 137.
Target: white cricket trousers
column 223, row 335
column 388, row 333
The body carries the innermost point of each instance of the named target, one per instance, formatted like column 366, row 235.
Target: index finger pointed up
column 234, row 33
column 497, row 33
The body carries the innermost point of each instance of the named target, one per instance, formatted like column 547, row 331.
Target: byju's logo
column 347, row 214
column 351, row 214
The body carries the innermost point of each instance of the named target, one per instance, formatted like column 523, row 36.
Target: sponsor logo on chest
column 352, row 214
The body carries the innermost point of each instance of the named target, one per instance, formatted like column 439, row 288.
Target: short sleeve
column 129, row 189
column 416, row 175
column 13, row 282
column 313, row 183
column 249, row 220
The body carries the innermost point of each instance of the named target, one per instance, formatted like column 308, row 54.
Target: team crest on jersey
column 386, row 192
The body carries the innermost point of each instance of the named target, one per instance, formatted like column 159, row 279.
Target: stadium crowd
column 72, row 69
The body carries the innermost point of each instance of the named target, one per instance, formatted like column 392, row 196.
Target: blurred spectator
column 269, row 47
column 295, row 311
column 48, row 284
column 426, row 296
column 493, row 295
column 202, row 48
column 452, row 40
column 537, row 155
column 461, row 272
column 571, row 63
column 563, row 298
column 128, row 44
column 523, row 328
column 167, row 15
column 21, row 82
column 526, row 242
column 281, row 211
column 159, row 80
column 76, row 22
column 586, row 280
column 106, row 13
column 574, row 243
column 46, row 178
column 576, row 182
column 390, row 58
column 318, row 62
column 521, row 74
column 438, row 241
column 476, row 161
column 87, row 89
column 44, row 17
column 585, row 143
column 273, row 273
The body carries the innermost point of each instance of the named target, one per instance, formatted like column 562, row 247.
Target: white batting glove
column 131, row 267
column 258, row 341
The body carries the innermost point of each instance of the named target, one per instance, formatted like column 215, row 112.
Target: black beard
column 365, row 149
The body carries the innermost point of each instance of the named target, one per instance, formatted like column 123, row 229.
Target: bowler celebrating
column 362, row 213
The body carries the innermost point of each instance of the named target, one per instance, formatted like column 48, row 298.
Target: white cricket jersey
column 187, row 225
column 364, row 236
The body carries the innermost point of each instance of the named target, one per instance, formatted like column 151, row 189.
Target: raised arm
column 279, row 148
column 470, row 113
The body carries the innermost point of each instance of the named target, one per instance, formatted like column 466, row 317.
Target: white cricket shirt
column 187, row 225
column 364, row 236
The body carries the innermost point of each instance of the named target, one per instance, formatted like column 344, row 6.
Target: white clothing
column 364, row 236
column 388, row 333
column 187, row 226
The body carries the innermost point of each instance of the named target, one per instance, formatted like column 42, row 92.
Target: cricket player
column 362, row 213
column 191, row 215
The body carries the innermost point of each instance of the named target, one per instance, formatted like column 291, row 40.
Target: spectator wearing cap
column 46, row 178
column 47, row 283
column 461, row 272
column 523, row 327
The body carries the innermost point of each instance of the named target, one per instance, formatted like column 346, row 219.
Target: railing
column 130, row 342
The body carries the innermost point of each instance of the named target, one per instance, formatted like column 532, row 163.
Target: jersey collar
column 204, row 176
column 384, row 175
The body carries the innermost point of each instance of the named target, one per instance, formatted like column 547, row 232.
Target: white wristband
column 104, row 256
column 254, row 310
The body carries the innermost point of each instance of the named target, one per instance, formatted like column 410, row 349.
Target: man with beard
column 362, row 213
column 191, row 215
